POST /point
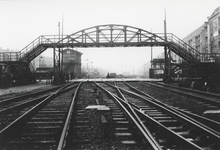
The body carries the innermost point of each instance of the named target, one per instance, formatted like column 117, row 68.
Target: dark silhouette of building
column 72, row 63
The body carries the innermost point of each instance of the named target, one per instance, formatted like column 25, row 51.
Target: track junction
column 97, row 114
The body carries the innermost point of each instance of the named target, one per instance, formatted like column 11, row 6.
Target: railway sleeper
column 38, row 134
column 54, row 112
column 46, row 127
column 58, row 115
column 45, row 123
column 122, row 126
column 33, row 142
column 176, row 128
column 44, row 118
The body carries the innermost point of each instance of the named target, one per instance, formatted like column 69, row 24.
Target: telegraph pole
column 165, row 49
column 62, row 48
column 151, row 53
column 59, row 47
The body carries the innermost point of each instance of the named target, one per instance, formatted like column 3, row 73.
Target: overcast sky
column 22, row 21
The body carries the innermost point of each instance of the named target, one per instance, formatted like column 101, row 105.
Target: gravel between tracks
column 102, row 137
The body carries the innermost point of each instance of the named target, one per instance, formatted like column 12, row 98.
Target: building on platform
column 72, row 63
column 44, row 73
column 157, row 69
column 42, row 62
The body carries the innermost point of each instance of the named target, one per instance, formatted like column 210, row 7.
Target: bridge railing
column 15, row 56
column 54, row 39
column 184, row 45
column 43, row 39
column 9, row 56
column 210, row 57
column 171, row 38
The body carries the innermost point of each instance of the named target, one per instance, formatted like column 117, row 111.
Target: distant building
column 72, row 63
column 95, row 73
column 42, row 62
column 198, row 39
column 111, row 75
column 206, row 38
column 214, row 31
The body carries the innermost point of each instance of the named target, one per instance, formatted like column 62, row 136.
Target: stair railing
column 184, row 46
column 43, row 39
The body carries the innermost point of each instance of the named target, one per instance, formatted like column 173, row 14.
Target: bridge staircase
column 183, row 50
column 36, row 47
column 33, row 53
column 18, row 63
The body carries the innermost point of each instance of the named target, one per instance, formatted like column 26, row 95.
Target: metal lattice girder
column 112, row 36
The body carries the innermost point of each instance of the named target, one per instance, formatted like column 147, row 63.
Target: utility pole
column 62, row 48
column 165, row 49
column 59, row 47
column 151, row 52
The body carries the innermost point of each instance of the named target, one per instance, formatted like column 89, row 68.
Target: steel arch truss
column 112, row 36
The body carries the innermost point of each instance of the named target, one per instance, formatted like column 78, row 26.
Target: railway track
column 184, row 110
column 173, row 124
column 100, row 123
column 40, row 126
column 12, row 108
column 207, row 104
column 209, row 99
column 105, row 116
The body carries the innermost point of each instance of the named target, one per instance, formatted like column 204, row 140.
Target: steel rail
column 35, row 100
column 189, row 90
column 202, row 98
column 62, row 141
column 28, row 102
column 26, row 95
column 193, row 123
column 147, row 136
column 187, row 143
column 8, row 129
column 210, row 124
column 175, row 136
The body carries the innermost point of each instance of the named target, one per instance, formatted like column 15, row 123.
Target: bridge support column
column 167, row 65
column 57, row 75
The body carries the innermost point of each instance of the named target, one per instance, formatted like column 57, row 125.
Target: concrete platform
column 42, row 83
column 24, row 88
column 117, row 79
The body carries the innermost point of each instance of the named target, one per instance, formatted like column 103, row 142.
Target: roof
column 68, row 49
column 216, row 11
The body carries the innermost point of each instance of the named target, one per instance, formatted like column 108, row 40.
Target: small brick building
column 72, row 63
